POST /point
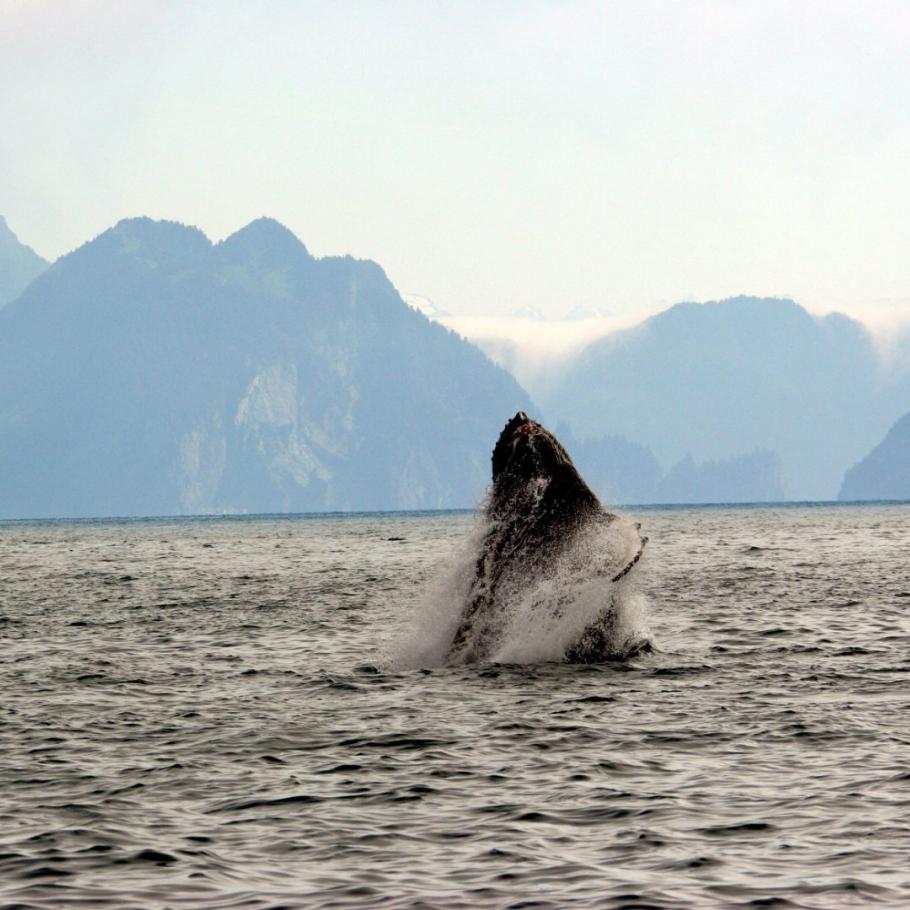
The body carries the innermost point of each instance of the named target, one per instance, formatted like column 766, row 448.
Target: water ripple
column 199, row 714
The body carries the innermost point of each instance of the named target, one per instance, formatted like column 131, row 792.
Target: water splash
column 540, row 614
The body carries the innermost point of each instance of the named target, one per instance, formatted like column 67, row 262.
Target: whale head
column 527, row 457
column 527, row 450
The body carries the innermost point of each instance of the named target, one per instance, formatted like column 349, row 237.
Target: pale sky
column 489, row 155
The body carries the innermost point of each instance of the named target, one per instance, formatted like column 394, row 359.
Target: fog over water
column 203, row 713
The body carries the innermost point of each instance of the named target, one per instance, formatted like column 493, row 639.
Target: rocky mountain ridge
column 151, row 372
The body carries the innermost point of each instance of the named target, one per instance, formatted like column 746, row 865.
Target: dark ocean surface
column 205, row 713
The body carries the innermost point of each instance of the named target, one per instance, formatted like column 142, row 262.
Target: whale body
column 542, row 520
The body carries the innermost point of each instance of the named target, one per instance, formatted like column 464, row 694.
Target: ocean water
column 216, row 713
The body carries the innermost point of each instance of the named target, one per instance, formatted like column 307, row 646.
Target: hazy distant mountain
column 885, row 472
column 624, row 472
column 19, row 264
column 755, row 477
column 718, row 379
column 619, row 471
column 150, row 372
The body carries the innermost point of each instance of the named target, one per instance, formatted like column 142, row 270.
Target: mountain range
column 151, row 372
column 717, row 381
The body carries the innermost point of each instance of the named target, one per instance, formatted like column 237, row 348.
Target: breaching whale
column 541, row 517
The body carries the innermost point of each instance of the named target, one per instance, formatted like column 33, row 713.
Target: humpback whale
column 540, row 518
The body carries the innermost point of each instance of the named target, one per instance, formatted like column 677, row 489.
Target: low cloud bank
column 536, row 349
column 529, row 347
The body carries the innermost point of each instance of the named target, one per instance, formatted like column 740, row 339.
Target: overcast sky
column 489, row 155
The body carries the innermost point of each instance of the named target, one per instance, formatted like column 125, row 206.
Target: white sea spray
column 540, row 613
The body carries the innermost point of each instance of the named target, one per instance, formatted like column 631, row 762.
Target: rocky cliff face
column 151, row 372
